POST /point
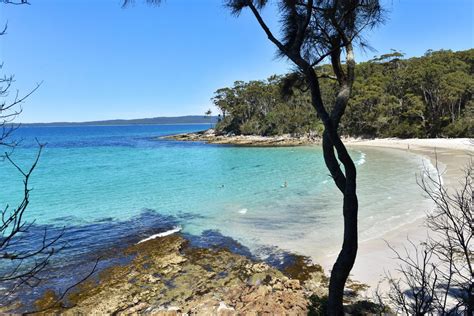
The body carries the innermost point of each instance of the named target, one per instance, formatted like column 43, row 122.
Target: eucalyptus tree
column 313, row 31
column 389, row 99
column 260, row 108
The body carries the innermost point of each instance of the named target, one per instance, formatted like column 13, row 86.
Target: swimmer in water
column 284, row 185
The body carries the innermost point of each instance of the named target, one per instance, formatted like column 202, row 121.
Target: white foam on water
column 361, row 159
column 243, row 211
column 163, row 234
column 432, row 170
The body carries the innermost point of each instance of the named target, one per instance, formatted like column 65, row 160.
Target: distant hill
column 189, row 119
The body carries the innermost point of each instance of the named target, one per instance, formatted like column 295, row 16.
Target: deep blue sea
column 110, row 185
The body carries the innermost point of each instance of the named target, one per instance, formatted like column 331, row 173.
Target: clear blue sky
column 99, row 61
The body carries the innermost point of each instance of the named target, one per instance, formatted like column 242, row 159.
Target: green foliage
column 428, row 96
column 367, row 308
column 318, row 305
column 259, row 107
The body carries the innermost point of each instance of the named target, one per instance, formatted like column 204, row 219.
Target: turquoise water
column 89, row 175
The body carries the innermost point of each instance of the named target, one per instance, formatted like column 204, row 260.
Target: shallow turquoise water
column 87, row 174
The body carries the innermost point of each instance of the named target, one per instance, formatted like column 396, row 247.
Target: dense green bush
column 428, row 96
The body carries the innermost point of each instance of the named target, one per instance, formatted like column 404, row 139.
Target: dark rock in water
column 214, row 239
column 79, row 247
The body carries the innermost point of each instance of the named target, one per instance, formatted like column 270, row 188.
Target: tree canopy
column 428, row 96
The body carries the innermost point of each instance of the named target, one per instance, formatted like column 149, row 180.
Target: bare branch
column 437, row 275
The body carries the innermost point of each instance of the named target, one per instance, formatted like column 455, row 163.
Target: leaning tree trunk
column 347, row 255
column 332, row 144
column 345, row 181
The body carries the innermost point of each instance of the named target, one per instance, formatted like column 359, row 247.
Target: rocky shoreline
column 167, row 276
column 210, row 137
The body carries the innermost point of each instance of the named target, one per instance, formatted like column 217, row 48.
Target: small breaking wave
column 361, row 159
column 434, row 171
column 243, row 211
column 163, row 234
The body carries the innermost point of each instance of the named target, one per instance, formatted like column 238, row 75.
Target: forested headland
column 188, row 119
column 428, row 96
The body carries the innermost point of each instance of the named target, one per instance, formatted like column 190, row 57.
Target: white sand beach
column 374, row 257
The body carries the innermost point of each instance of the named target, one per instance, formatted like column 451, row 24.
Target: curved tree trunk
column 315, row 30
column 336, row 153
column 347, row 255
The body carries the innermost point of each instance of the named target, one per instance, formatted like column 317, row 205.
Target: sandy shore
column 429, row 144
column 451, row 154
column 374, row 257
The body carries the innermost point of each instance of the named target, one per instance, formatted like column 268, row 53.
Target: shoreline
column 285, row 140
column 170, row 276
column 450, row 155
column 209, row 137
column 374, row 257
column 182, row 278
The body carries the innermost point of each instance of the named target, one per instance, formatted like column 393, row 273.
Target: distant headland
column 188, row 119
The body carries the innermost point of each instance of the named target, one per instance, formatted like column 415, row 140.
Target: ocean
column 107, row 186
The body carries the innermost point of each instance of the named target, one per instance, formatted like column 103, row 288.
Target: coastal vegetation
column 427, row 96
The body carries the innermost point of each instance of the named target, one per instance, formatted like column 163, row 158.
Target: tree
column 260, row 107
column 445, row 83
column 386, row 100
column 313, row 31
column 25, row 253
column 208, row 114
column 436, row 277
column 21, row 259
